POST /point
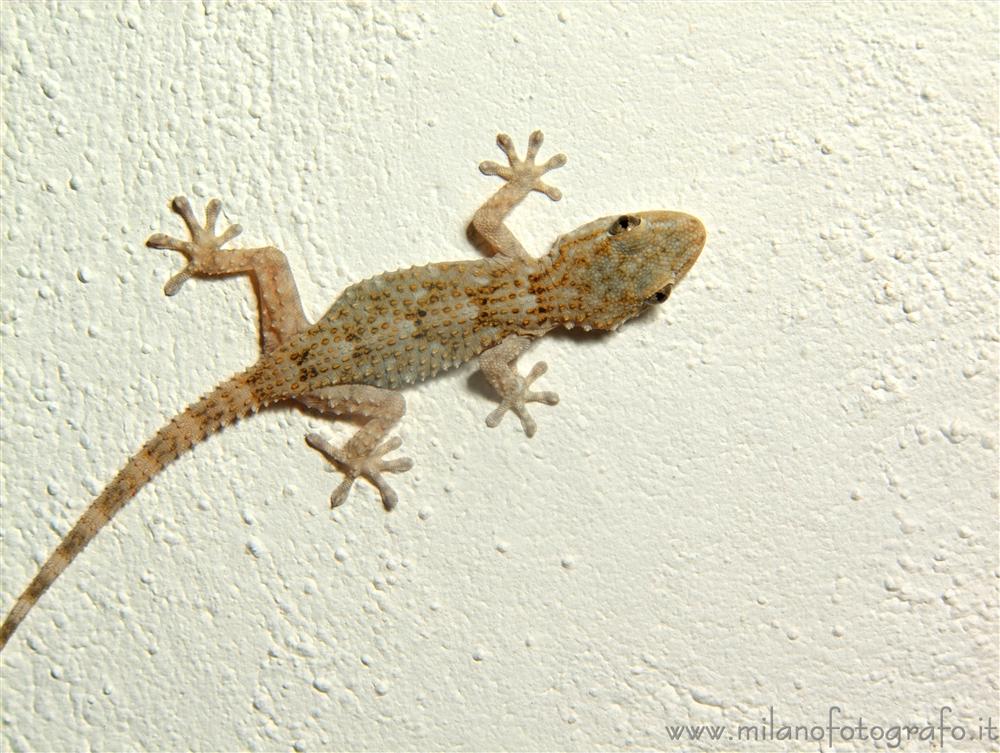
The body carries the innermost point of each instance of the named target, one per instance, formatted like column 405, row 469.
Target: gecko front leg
column 363, row 454
column 523, row 177
column 499, row 365
column 281, row 315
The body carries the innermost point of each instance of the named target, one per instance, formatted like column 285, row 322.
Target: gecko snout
column 691, row 234
column 694, row 230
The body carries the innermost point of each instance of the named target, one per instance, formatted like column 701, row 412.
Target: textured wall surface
column 775, row 496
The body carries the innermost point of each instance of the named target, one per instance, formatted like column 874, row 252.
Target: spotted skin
column 402, row 327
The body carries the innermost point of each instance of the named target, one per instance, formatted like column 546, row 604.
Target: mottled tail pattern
column 228, row 402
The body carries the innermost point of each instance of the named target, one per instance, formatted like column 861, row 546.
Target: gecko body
column 402, row 327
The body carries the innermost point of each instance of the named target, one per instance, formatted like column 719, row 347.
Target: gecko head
column 618, row 266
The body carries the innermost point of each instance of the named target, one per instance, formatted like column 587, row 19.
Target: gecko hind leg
column 281, row 315
column 499, row 365
column 362, row 456
column 522, row 177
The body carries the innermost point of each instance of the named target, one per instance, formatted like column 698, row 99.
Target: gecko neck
column 567, row 296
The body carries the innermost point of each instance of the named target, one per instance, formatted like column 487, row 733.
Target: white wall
column 778, row 491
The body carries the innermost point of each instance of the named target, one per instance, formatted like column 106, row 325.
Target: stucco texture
column 773, row 499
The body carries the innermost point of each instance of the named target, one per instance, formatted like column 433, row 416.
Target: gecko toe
column 160, row 240
column 534, row 144
column 340, row 494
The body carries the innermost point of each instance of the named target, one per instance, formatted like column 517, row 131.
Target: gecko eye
column 661, row 295
column 623, row 223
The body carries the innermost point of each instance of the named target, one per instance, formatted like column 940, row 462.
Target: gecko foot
column 514, row 396
column 525, row 174
column 203, row 246
column 370, row 467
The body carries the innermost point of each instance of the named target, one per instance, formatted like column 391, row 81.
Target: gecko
column 400, row 328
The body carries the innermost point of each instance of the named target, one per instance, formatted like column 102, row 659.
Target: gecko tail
column 224, row 405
